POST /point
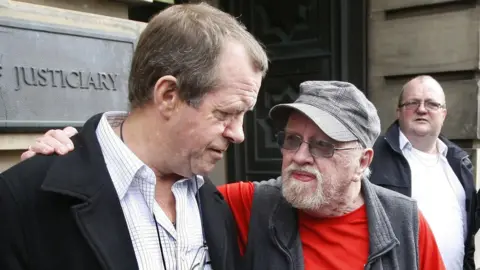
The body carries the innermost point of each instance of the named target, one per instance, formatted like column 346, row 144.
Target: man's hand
column 54, row 140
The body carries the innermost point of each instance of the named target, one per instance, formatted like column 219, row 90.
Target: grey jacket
column 274, row 242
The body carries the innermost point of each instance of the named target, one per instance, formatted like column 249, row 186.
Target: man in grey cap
column 323, row 213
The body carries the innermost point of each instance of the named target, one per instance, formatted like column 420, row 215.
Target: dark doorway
column 143, row 12
column 306, row 40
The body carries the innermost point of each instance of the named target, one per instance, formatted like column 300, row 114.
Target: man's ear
column 365, row 161
column 165, row 95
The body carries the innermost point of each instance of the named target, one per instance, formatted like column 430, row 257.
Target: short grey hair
column 186, row 41
column 366, row 173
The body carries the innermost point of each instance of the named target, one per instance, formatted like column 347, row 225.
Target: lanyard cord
column 199, row 202
column 154, row 219
column 160, row 242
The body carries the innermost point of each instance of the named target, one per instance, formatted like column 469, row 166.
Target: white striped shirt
column 135, row 186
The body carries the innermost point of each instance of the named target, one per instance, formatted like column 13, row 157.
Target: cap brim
column 324, row 120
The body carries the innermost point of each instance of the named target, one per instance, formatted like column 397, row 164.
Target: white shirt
column 441, row 199
column 135, row 186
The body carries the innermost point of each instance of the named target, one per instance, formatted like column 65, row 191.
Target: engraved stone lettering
column 46, row 84
column 92, row 81
column 42, row 79
column 62, row 78
column 103, row 78
column 83, row 80
column 29, row 77
column 52, row 73
column 17, row 79
column 71, row 79
column 113, row 79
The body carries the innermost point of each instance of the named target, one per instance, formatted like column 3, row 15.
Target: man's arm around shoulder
column 239, row 197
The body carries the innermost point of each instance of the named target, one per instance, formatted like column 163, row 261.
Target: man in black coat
column 131, row 194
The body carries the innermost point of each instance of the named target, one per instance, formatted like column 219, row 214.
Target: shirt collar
column 404, row 143
column 126, row 163
column 129, row 167
column 191, row 183
column 442, row 147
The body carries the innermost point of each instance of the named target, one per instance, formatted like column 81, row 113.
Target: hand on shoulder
column 53, row 141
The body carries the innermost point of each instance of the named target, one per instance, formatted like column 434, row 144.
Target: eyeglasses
column 200, row 259
column 415, row 104
column 317, row 148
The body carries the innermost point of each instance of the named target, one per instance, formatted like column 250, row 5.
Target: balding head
column 422, row 82
column 421, row 109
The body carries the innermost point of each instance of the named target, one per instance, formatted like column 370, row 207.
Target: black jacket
column 62, row 212
column 390, row 169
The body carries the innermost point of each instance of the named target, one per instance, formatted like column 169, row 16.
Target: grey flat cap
column 338, row 108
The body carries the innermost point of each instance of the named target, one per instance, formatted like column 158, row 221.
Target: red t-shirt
column 331, row 243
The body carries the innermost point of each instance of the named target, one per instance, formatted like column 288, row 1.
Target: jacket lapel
column 392, row 136
column 215, row 223
column 103, row 225
column 82, row 174
column 463, row 169
column 461, row 166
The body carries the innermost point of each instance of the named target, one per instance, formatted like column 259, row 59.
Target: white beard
column 299, row 194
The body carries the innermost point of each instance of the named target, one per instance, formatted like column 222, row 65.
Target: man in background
column 415, row 160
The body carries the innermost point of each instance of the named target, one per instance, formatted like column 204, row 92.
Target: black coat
column 390, row 169
column 62, row 212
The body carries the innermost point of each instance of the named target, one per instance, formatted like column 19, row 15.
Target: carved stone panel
column 53, row 76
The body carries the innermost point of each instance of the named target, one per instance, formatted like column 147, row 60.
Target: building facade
column 61, row 61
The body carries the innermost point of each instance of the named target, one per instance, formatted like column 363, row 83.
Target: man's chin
column 422, row 130
column 203, row 171
column 422, row 133
column 303, row 203
column 203, row 168
column 299, row 194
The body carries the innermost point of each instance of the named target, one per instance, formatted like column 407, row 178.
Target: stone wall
column 408, row 38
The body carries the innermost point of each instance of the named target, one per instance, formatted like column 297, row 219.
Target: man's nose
column 421, row 108
column 302, row 155
column 234, row 131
